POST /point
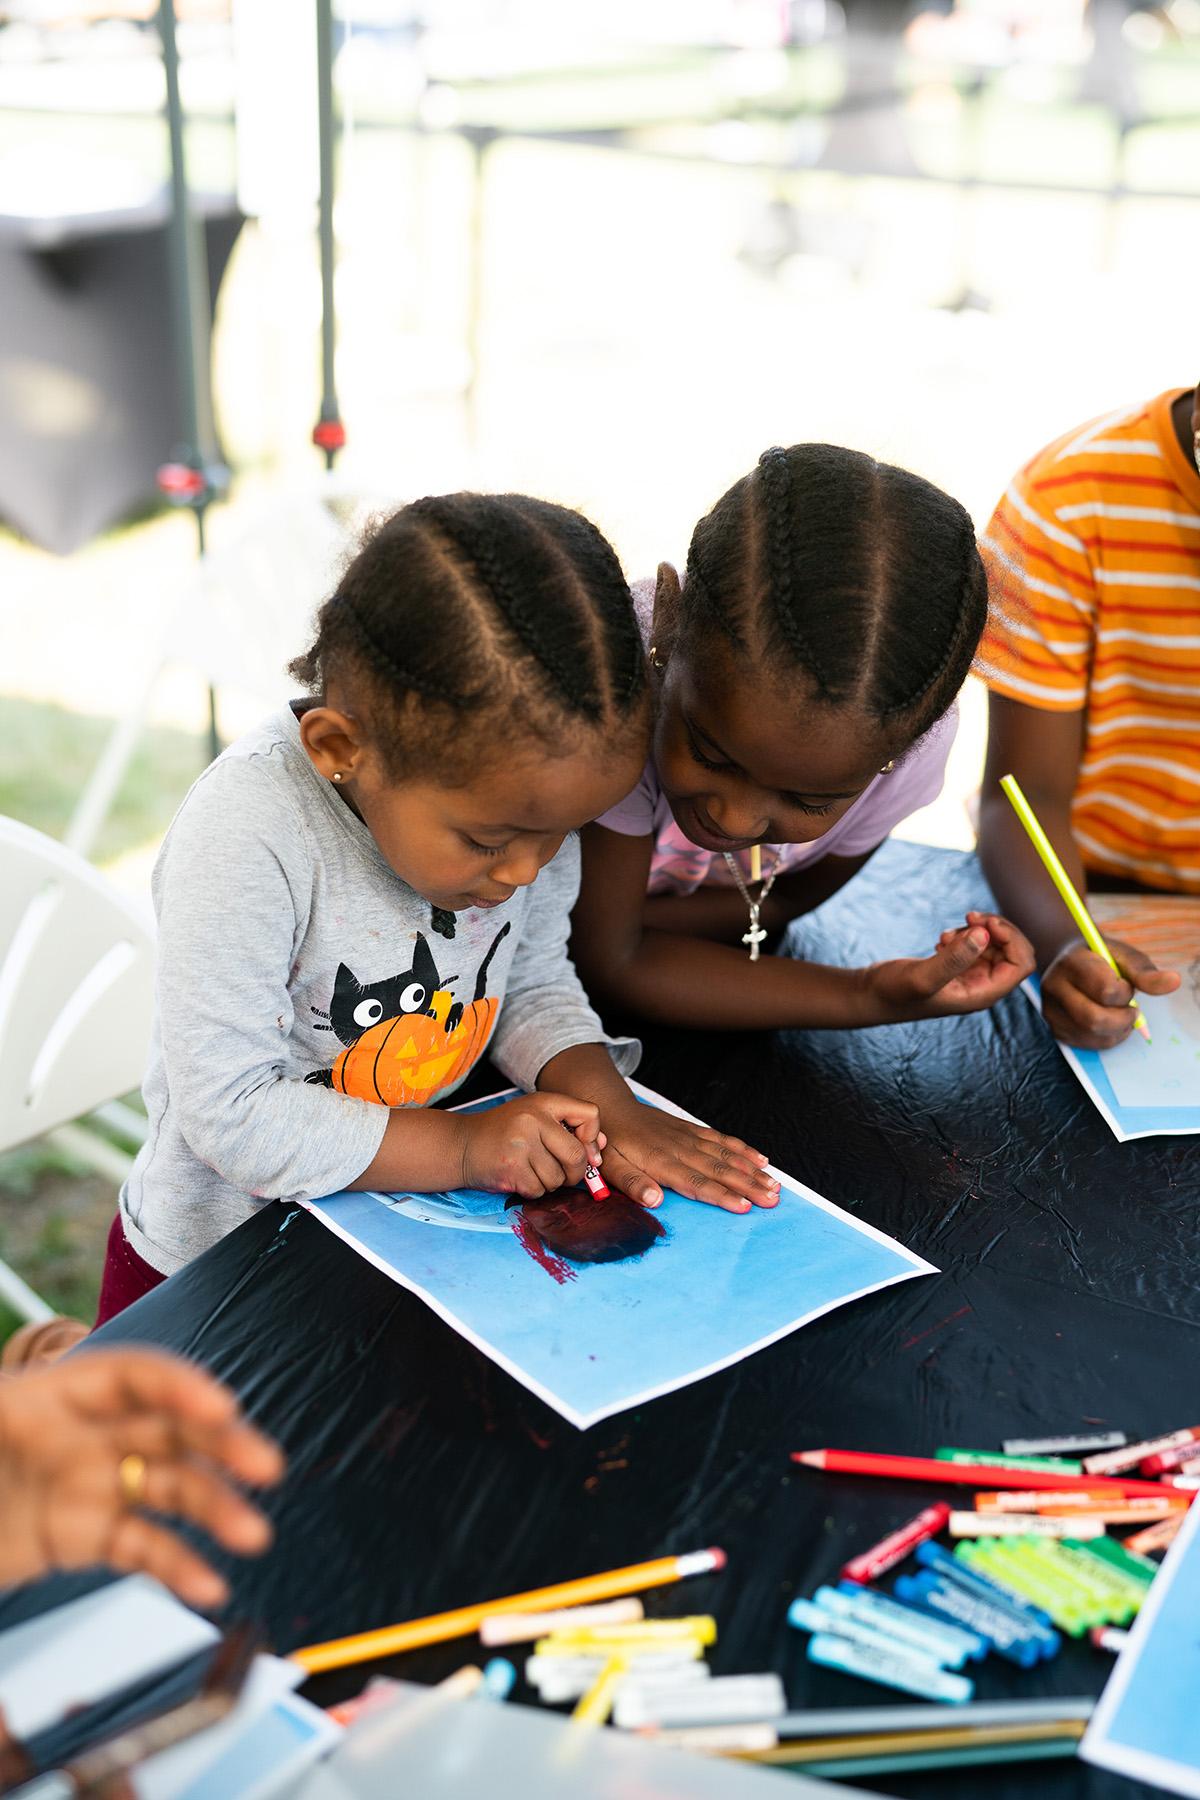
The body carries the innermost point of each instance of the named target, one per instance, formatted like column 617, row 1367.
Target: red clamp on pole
column 329, row 435
column 182, row 484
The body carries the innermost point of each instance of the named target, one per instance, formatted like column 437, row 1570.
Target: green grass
column 47, row 754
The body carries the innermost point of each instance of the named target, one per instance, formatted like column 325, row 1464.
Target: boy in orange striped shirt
column 1092, row 658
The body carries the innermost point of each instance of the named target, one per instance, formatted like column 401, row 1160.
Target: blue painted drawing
column 598, row 1319
column 1147, row 1724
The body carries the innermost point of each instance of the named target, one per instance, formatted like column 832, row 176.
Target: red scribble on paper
column 532, row 1244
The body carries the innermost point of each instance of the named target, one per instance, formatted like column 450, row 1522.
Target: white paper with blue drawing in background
column 712, row 1290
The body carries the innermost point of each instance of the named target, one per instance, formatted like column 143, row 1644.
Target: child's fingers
column 1007, row 938
column 730, row 1162
column 564, row 1151
column 732, row 1146
column 593, row 1150
column 1142, row 973
column 1156, row 981
column 930, row 974
column 579, row 1115
column 1080, row 1021
column 627, row 1178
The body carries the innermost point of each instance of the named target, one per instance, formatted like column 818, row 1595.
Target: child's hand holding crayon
column 1085, row 1004
column 974, row 965
column 530, row 1146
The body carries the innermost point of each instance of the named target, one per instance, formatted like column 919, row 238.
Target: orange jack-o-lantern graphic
column 410, row 1060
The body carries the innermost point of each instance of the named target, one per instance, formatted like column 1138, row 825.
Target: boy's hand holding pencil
column 1088, row 1004
column 1088, row 990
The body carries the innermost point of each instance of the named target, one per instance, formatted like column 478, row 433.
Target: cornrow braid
column 481, row 542
column 775, row 489
column 862, row 577
column 473, row 609
column 963, row 637
column 403, row 680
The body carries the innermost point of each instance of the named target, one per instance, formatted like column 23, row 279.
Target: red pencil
column 980, row 1475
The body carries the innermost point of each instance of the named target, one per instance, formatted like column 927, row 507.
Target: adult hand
column 89, row 1442
column 648, row 1149
column 532, row 1145
column 974, row 965
column 1086, row 1005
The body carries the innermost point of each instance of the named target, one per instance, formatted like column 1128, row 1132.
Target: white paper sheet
column 81, row 1653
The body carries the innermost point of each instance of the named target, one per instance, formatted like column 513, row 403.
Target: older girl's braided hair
column 475, row 610
column 861, row 576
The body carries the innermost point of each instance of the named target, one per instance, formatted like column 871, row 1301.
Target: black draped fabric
column 422, row 1477
column 90, row 394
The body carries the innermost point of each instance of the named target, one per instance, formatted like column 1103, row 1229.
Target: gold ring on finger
column 131, row 1473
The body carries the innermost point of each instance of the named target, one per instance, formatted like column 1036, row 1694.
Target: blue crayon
column 912, row 1675
column 891, row 1615
column 945, row 1600
column 499, row 1678
column 932, row 1556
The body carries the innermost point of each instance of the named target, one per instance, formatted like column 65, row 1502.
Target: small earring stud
column 337, row 775
column 888, row 767
column 656, row 661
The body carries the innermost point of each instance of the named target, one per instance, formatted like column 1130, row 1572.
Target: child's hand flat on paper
column 530, row 1146
column 1086, row 1005
column 648, row 1150
column 974, row 965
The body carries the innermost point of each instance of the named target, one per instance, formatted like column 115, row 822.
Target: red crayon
column 1169, row 1460
column 1114, row 1461
column 942, row 1474
column 595, row 1183
column 897, row 1545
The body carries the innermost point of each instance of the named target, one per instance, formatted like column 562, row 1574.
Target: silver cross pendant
column 756, row 935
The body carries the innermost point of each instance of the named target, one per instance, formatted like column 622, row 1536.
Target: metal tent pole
column 329, row 434
column 188, row 479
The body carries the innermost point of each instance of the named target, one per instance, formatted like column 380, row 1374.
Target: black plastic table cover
column 422, row 1477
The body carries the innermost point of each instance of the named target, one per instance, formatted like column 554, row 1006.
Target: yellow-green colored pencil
column 1066, row 887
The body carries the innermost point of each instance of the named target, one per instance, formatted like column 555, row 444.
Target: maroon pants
column 127, row 1276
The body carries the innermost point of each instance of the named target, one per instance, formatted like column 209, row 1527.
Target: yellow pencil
column 414, row 1633
column 756, row 862
column 1066, row 887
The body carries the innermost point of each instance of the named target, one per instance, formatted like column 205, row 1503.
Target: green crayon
column 1138, row 1568
column 1109, row 1598
column 1060, row 1465
column 1000, row 1566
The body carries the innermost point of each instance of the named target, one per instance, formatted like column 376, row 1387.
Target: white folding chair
column 76, row 1003
column 237, row 616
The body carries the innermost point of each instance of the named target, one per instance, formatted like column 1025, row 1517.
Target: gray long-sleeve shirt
column 285, row 939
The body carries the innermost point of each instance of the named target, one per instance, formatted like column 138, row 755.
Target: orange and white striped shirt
column 1093, row 559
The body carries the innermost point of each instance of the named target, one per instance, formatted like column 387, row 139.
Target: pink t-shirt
column 678, row 866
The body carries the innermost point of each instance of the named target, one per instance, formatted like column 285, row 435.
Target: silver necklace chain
column 756, row 935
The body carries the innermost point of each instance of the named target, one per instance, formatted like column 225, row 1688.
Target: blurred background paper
column 83, row 1652
column 461, row 1749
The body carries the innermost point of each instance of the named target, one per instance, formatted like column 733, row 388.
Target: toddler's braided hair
column 863, row 576
column 482, row 611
